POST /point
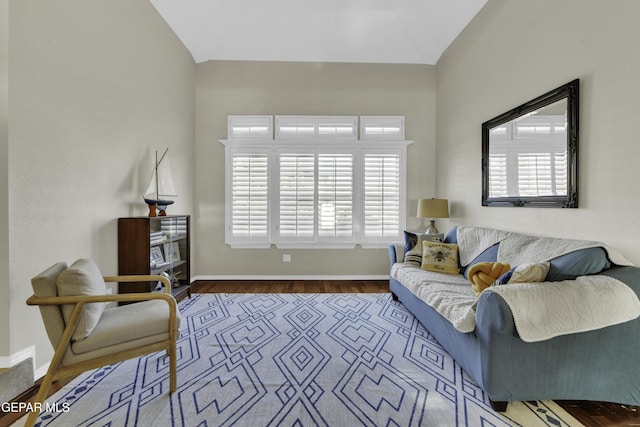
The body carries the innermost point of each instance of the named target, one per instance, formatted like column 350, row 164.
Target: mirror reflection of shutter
column 498, row 175
column 381, row 195
column 560, row 173
column 534, row 174
column 249, row 195
column 335, row 195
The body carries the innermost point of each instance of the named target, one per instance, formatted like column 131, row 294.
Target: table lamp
column 433, row 208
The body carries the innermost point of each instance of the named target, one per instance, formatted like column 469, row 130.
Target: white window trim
column 358, row 147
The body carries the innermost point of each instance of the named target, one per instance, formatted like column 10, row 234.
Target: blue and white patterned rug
column 293, row 360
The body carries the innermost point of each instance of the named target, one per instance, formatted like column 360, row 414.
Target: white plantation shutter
column 297, row 196
column 249, row 195
column 335, row 195
column 382, row 189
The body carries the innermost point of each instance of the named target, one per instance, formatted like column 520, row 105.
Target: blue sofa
column 600, row 365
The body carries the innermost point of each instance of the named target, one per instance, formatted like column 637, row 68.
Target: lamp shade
column 433, row 208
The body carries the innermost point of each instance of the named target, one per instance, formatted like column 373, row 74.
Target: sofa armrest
column 629, row 275
column 392, row 255
column 396, row 253
column 494, row 315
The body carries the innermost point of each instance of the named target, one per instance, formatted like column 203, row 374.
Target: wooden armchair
column 72, row 300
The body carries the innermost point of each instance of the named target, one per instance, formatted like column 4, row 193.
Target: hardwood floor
column 590, row 414
column 291, row 286
column 602, row 414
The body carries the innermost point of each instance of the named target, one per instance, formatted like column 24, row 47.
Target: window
column 249, row 127
column 296, row 127
column 382, row 127
column 317, row 191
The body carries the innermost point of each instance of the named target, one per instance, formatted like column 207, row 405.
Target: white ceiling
column 377, row 31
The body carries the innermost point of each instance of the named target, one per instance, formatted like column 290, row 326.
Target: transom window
column 315, row 185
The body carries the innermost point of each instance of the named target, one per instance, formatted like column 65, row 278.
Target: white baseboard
column 41, row 371
column 289, row 277
column 14, row 359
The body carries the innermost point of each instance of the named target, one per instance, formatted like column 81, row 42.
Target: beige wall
column 4, row 177
column 514, row 51
column 228, row 87
column 95, row 88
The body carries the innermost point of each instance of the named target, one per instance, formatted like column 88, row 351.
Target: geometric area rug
column 293, row 360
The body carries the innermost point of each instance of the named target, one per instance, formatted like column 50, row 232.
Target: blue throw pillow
column 578, row 263
column 413, row 239
column 410, row 240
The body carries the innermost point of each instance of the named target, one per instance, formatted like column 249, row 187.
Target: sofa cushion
column 82, row 278
column 44, row 285
column 440, row 257
column 582, row 262
column 451, row 236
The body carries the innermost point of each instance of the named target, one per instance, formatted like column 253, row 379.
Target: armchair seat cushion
column 114, row 328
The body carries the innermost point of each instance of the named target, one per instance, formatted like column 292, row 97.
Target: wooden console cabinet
column 155, row 245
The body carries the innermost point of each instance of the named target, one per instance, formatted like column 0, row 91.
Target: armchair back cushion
column 44, row 285
column 83, row 277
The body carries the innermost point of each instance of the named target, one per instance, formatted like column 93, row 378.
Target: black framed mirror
column 530, row 153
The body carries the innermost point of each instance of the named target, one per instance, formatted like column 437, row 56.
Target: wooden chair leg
column 40, row 397
column 173, row 383
column 56, row 361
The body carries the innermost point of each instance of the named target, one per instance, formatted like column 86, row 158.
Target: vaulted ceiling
column 376, row 31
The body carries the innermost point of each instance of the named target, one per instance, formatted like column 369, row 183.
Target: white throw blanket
column 519, row 249
column 545, row 310
column 451, row 295
column 540, row 310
